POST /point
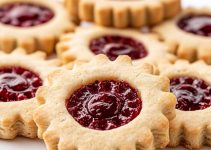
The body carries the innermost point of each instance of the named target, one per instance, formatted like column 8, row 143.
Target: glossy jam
column 113, row 46
column 24, row 14
column 18, row 84
column 192, row 93
column 196, row 24
column 104, row 105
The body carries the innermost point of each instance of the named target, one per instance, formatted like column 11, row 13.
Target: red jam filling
column 192, row 93
column 196, row 24
column 104, row 105
column 114, row 45
column 24, row 14
column 18, row 84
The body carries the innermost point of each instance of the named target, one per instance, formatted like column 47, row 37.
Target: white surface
column 28, row 144
column 22, row 144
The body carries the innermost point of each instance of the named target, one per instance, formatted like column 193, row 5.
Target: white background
column 28, row 144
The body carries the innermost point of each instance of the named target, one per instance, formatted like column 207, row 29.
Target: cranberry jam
column 114, row 45
column 196, row 24
column 18, row 84
column 104, row 105
column 192, row 93
column 24, row 14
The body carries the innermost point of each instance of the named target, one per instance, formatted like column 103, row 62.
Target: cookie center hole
column 17, row 83
column 192, row 93
column 115, row 45
column 104, row 105
column 14, row 81
column 24, row 14
column 196, row 24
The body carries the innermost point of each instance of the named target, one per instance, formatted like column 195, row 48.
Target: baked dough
column 16, row 118
column 186, row 45
column 190, row 128
column 147, row 131
column 121, row 14
column 75, row 46
column 41, row 37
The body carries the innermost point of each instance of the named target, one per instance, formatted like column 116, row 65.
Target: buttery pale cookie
column 85, row 43
column 189, row 34
column 32, row 24
column 20, row 77
column 123, row 13
column 105, row 104
column 191, row 83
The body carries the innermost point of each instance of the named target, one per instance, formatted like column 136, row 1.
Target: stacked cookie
column 109, row 86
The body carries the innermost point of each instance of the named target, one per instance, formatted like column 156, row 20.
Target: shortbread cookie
column 32, row 24
column 105, row 104
column 20, row 77
column 189, row 34
column 88, row 42
column 191, row 83
column 120, row 14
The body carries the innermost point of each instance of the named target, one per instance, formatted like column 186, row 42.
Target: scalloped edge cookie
column 75, row 46
column 42, row 37
column 190, row 128
column 17, row 117
column 147, row 131
column 123, row 14
column 186, row 45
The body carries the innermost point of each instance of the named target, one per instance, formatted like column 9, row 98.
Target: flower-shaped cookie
column 88, row 42
column 32, row 24
column 120, row 14
column 191, row 83
column 189, row 34
column 20, row 77
column 105, row 104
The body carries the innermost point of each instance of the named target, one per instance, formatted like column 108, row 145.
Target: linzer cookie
column 85, row 43
column 32, row 24
column 191, row 84
column 189, row 34
column 111, row 104
column 21, row 76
